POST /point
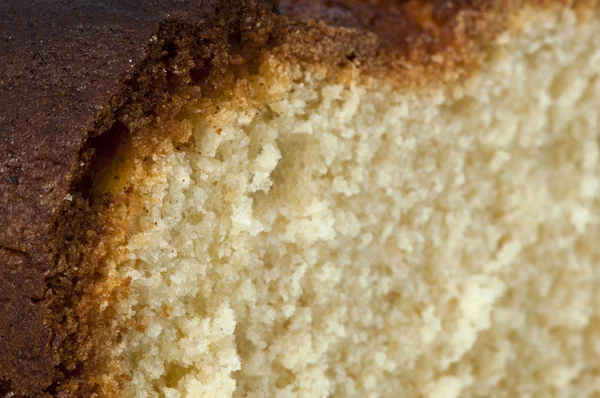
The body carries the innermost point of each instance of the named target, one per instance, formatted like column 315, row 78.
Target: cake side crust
column 69, row 70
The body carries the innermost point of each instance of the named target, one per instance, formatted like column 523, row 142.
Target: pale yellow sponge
column 352, row 239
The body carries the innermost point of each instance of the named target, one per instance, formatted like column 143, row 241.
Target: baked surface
column 74, row 70
column 69, row 68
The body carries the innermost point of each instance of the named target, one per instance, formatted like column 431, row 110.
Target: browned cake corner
column 81, row 79
column 70, row 71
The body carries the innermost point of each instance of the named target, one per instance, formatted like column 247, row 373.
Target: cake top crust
column 67, row 67
column 71, row 68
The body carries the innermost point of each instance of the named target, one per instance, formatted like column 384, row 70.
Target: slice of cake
column 204, row 198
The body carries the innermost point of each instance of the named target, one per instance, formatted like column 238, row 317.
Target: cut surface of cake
column 305, row 198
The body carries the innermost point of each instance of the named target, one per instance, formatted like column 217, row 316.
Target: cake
column 303, row 198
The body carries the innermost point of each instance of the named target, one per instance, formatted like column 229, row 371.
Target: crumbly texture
column 351, row 239
column 76, row 71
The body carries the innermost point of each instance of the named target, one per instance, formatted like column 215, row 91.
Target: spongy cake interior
column 353, row 239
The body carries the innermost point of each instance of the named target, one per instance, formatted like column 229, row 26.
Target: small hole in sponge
column 173, row 374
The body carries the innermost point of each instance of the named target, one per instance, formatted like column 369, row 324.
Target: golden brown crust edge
column 73, row 70
column 408, row 43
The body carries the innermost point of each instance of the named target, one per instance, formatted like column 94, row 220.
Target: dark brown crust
column 68, row 69
column 73, row 69
column 405, row 41
column 409, row 43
